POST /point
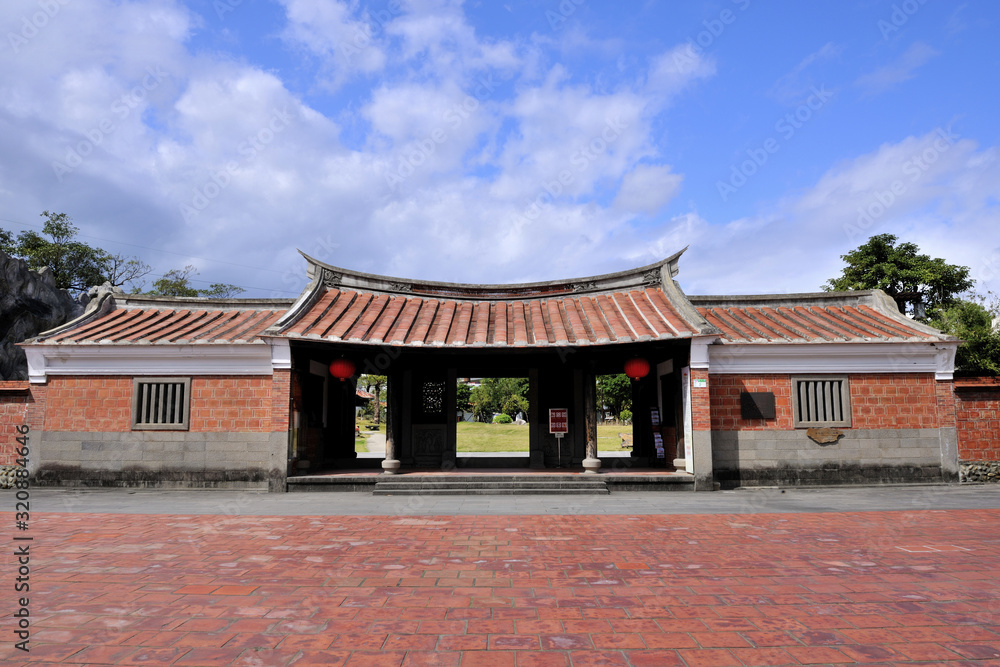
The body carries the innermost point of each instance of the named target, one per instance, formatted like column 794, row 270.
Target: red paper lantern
column 637, row 368
column 342, row 369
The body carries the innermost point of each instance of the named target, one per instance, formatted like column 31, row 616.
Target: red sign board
column 558, row 420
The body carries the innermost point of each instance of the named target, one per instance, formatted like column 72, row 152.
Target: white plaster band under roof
column 928, row 357
column 221, row 359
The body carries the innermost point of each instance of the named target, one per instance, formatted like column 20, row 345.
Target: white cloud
column 933, row 190
column 347, row 42
column 797, row 84
column 647, row 188
column 673, row 71
column 902, row 69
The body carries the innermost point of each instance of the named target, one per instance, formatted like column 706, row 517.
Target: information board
column 558, row 420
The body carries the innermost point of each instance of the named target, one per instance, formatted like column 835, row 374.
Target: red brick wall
column 725, row 395
column 894, row 400
column 977, row 411
column 281, row 392
column 231, row 404
column 94, row 403
column 104, row 404
column 878, row 401
column 14, row 403
column 701, row 409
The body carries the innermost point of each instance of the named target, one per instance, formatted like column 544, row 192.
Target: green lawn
column 478, row 437
column 364, row 424
column 608, row 440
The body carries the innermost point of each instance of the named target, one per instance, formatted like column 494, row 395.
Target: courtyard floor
column 764, row 583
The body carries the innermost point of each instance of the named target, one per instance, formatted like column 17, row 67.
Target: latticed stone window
column 432, row 398
column 161, row 404
column 822, row 400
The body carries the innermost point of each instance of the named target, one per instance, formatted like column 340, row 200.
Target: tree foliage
column 177, row 282
column 75, row 265
column 933, row 292
column 499, row 395
column 974, row 322
column 919, row 284
column 614, row 392
column 374, row 385
column 463, row 397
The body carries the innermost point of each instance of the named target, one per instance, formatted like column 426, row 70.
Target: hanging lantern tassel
column 636, row 368
column 342, row 369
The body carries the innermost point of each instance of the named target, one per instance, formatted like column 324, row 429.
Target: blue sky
column 503, row 142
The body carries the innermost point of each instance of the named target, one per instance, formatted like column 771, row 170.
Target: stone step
column 366, row 482
column 488, row 492
column 490, row 485
column 480, row 486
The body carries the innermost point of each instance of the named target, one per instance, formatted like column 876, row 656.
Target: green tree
column 177, row 282
column 933, row 292
column 919, row 284
column 974, row 323
column 493, row 395
column 374, row 384
column 74, row 265
column 6, row 242
column 463, row 397
column 615, row 392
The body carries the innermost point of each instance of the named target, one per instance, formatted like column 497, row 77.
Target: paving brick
column 829, row 588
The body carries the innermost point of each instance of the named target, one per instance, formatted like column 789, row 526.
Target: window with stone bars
column 161, row 404
column 432, row 396
column 822, row 400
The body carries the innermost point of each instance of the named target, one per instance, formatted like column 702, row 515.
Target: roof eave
column 334, row 276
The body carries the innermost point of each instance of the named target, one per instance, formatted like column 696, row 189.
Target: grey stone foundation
column 860, row 456
column 980, row 471
column 163, row 459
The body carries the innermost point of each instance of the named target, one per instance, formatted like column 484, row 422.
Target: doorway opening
column 614, row 415
column 493, row 415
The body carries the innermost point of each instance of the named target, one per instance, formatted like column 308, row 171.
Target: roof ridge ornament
column 331, row 278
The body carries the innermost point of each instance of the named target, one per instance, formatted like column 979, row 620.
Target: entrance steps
column 490, row 485
column 489, row 482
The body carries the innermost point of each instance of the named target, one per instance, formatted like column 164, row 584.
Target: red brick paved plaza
column 738, row 589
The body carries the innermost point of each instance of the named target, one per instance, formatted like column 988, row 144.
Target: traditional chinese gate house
column 790, row 389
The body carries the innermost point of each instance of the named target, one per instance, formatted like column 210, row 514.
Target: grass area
column 366, row 430
column 608, row 440
column 478, row 437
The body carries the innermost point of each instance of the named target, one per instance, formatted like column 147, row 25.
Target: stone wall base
column 980, row 471
column 140, row 477
column 829, row 475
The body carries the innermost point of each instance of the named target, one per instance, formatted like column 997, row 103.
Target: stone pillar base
column 591, row 466
column 390, row 466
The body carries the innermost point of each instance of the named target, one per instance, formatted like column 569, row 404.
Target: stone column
column 391, row 462
column 591, row 464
